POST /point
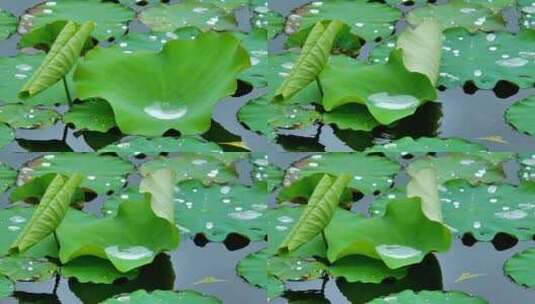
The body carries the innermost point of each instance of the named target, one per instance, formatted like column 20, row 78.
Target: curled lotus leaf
column 177, row 88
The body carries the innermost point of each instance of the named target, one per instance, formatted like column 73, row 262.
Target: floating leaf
column 389, row 91
column 355, row 117
column 27, row 117
column 95, row 270
column 358, row 268
column 205, row 16
column 6, row 136
column 519, row 115
column 528, row 13
column 6, row 287
column 264, row 18
column 350, row 234
column 7, row 177
column 18, row 268
column 8, row 24
column 314, row 56
column 92, row 115
column 253, row 268
column 459, row 13
column 423, row 184
column 318, row 212
column 163, row 297
column 49, row 213
column 129, row 240
column 424, row 145
column 160, row 184
column 154, row 103
column 110, row 17
column 520, row 268
column 435, row 297
column 487, row 58
column 256, row 44
column 369, row 20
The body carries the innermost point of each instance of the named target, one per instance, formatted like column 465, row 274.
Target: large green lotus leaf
column 27, row 117
column 18, row 268
column 7, row 177
column 458, row 13
column 264, row 18
column 370, row 173
column 32, row 191
column 170, row 91
column 527, row 162
column 352, row 116
column 485, row 211
column 8, row 24
column 205, row 16
column 111, row 19
column 205, row 167
column 256, row 44
column 102, row 173
column 487, row 58
column 359, row 268
column 137, row 145
column 264, row 117
column 369, row 20
column 217, row 211
column 389, row 91
column 253, row 268
column 152, row 41
column 519, row 115
column 42, row 38
column 12, row 222
column 520, row 268
column 129, row 240
column 6, row 136
column 469, row 166
column 266, row 172
column 294, row 268
column 95, row 270
column 313, row 58
column 16, row 71
column 415, row 236
column 92, row 115
column 528, row 13
column 163, row 297
column 6, row 287
column 435, row 297
column 424, row 145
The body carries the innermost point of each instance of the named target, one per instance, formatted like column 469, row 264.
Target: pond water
column 461, row 112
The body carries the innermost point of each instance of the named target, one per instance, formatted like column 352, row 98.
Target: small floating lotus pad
column 520, row 268
column 435, row 297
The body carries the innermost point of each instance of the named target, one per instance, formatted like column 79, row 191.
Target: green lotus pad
column 425, row 145
column 129, row 240
column 368, row 20
column 27, row 117
column 370, row 173
column 175, row 89
column 520, row 268
column 200, row 14
column 435, row 297
column 352, row 234
column 6, row 287
column 102, row 173
column 520, row 113
column 111, row 19
column 487, row 58
column 163, row 297
column 394, row 93
column 27, row 269
column 7, row 135
column 8, row 24
column 95, row 270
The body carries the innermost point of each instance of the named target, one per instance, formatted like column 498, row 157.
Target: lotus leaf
column 354, row 116
column 425, row 296
column 16, row 71
column 520, row 113
column 312, row 60
column 528, row 13
column 27, row 117
column 262, row 116
column 256, row 45
column 424, row 145
column 59, row 61
column 153, row 146
column 160, row 185
column 6, row 287
column 7, row 177
column 350, row 234
column 92, row 115
column 487, row 58
column 95, row 270
column 228, row 5
column 102, row 173
column 369, row 20
column 111, row 18
column 266, row 172
column 389, row 91
column 6, row 136
column 358, row 268
column 370, row 173
column 473, row 167
column 163, row 297
column 124, row 239
column 205, row 16
column 32, row 191
column 48, row 214
column 527, row 161
column 264, row 18
column 459, row 13
column 495, row 5
column 205, row 167
column 153, row 102
column 253, row 268
column 8, row 24
column 423, row 184
column 520, row 268
column 19, row 268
